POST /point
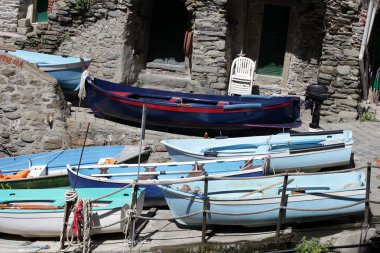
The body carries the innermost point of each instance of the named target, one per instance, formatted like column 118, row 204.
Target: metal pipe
column 281, row 211
column 367, row 191
column 205, row 204
column 363, row 74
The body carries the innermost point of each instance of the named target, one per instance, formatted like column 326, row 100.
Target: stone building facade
column 142, row 42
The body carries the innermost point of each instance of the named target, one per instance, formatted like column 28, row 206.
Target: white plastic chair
column 241, row 76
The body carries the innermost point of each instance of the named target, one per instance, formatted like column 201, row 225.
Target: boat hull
column 42, row 182
column 166, row 173
column 328, row 193
column 270, row 218
column 282, row 161
column 304, row 151
column 106, row 100
column 68, row 79
column 24, row 222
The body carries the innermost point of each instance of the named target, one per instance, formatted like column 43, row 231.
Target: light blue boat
column 288, row 151
column 227, row 199
column 152, row 174
column 48, row 169
column 40, row 212
column 67, row 70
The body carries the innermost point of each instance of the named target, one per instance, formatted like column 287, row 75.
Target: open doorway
column 168, row 27
column 273, row 40
column 41, row 11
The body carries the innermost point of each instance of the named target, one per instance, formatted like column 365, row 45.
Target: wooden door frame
column 289, row 40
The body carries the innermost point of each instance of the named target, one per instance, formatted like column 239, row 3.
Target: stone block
column 23, row 31
column 343, row 70
column 24, row 23
column 347, row 116
column 42, row 26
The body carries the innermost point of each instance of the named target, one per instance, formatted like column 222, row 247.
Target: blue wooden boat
column 67, row 70
column 288, row 151
column 48, row 169
column 191, row 111
column 227, row 197
column 40, row 212
column 162, row 173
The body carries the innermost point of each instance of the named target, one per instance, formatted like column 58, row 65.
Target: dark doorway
column 168, row 28
column 273, row 40
column 41, row 11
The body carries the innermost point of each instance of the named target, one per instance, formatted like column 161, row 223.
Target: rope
column 71, row 196
column 86, row 225
column 324, row 209
column 215, row 177
column 5, row 150
column 170, row 219
column 242, row 214
column 109, row 194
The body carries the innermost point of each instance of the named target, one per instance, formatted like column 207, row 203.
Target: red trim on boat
column 184, row 107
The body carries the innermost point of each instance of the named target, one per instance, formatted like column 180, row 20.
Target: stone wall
column 339, row 68
column 30, row 100
column 97, row 33
column 9, row 13
column 326, row 38
column 209, row 62
column 306, row 45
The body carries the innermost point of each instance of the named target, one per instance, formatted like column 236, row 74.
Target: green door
column 273, row 40
column 42, row 11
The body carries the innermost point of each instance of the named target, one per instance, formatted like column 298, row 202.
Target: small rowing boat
column 40, row 212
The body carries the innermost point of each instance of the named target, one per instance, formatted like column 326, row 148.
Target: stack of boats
column 240, row 181
column 244, row 174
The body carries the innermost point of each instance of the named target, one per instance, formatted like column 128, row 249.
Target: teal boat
column 40, row 212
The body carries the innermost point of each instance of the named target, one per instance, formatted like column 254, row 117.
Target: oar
column 163, row 172
column 29, row 207
column 193, row 100
column 7, row 48
column 255, row 146
column 264, row 188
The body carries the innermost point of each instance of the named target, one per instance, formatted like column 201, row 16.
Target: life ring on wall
column 188, row 44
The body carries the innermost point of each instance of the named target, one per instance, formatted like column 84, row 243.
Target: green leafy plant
column 367, row 116
column 312, row 245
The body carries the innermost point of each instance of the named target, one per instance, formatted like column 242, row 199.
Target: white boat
column 287, row 151
column 40, row 212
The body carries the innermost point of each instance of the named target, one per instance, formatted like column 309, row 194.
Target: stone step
column 168, row 67
column 163, row 79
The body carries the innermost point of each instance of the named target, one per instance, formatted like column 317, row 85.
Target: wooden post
column 281, row 211
column 367, row 192
column 205, row 204
column 66, row 215
column 131, row 228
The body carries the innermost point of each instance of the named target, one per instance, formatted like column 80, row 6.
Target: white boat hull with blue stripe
column 288, row 151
